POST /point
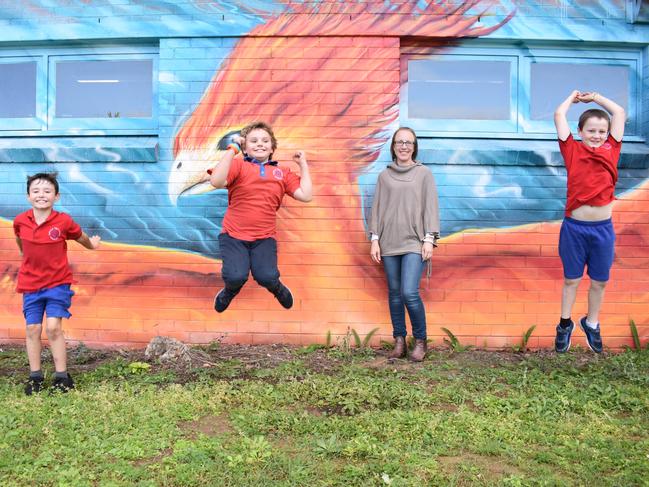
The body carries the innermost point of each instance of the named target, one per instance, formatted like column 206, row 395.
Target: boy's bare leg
column 595, row 297
column 33, row 345
column 568, row 296
column 54, row 329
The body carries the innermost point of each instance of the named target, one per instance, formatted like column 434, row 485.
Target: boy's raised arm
column 218, row 175
column 305, row 192
column 561, row 115
column 89, row 242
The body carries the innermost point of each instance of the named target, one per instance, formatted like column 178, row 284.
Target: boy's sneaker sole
column 593, row 336
column 562, row 340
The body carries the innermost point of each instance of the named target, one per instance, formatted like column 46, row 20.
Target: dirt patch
column 493, row 467
column 243, row 361
column 155, row 459
column 210, row 425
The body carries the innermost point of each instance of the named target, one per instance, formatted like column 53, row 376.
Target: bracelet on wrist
column 234, row 147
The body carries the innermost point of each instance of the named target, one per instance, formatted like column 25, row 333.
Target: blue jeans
column 404, row 273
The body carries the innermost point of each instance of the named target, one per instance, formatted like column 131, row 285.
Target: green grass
column 326, row 419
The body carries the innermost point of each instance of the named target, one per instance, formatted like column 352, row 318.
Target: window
column 64, row 91
column 493, row 91
column 18, row 104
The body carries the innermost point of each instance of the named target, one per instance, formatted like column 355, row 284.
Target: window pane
column 104, row 89
column 553, row 82
column 471, row 90
column 18, row 90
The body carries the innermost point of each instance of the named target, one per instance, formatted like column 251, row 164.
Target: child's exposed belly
column 590, row 213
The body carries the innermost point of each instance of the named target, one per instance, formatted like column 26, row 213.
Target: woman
column 404, row 226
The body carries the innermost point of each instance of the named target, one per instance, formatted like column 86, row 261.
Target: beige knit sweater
column 405, row 208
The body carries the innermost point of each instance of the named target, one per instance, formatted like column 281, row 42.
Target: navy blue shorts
column 54, row 301
column 589, row 244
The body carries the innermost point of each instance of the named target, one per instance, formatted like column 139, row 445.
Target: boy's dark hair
column 394, row 136
column 263, row 126
column 593, row 113
column 45, row 176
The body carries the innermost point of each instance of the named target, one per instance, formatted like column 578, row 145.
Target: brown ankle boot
column 419, row 351
column 400, row 349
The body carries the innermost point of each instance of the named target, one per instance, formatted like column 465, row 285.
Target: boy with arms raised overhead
column 587, row 236
column 45, row 276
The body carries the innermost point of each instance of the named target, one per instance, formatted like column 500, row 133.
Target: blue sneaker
column 562, row 341
column 593, row 336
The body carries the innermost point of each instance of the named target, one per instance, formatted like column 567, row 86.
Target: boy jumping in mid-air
column 587, row 237
column 45, row 276
column 256, row 187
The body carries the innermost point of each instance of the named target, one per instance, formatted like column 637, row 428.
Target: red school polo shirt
column 254, row 198
column 592, row 172
column 45, row 259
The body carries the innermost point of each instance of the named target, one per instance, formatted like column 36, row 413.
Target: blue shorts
column 589, row 244
column 54, row 301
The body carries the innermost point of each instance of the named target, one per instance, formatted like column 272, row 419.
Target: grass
column 329, row 419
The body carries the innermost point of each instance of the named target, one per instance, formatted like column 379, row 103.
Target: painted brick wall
column 337, row 97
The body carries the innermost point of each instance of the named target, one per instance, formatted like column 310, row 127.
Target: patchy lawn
column 286, row 416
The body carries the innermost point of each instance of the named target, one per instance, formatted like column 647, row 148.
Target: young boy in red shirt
column 587, row 236
column 256, row 186
column 45, row 276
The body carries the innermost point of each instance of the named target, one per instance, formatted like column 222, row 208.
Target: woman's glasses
column 405, row 143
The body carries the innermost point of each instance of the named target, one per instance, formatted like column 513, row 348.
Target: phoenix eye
column 227, row 139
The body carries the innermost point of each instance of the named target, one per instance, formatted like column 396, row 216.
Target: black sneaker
column 223, row 299
column 593, row 336
column 33, row 385
column 284, row 296
column 562, row 341
column 63, row 384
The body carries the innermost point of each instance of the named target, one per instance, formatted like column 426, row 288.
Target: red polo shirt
column 45, row 259
column 254, row 196
column 592, row 172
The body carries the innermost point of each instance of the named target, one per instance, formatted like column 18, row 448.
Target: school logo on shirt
column 54, row 233
column 606, row 146
column 277, row 173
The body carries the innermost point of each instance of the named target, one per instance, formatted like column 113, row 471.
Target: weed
column 522, row 347
column 636, row 338
column 139, row 367
column 453, row 342
column 309, row 349
column 344, row 350
column 365, row 341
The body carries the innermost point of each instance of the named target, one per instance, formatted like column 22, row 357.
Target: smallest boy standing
column 45, row 276
column 587, row 236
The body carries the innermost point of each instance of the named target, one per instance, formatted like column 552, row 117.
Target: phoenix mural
column 326, row 76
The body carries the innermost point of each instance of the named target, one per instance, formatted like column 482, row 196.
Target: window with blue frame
column 19, row 84
column 60, row 91
column 491, row 90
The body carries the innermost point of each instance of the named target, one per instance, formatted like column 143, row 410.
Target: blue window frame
column 453, row 91
column 83, row 91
